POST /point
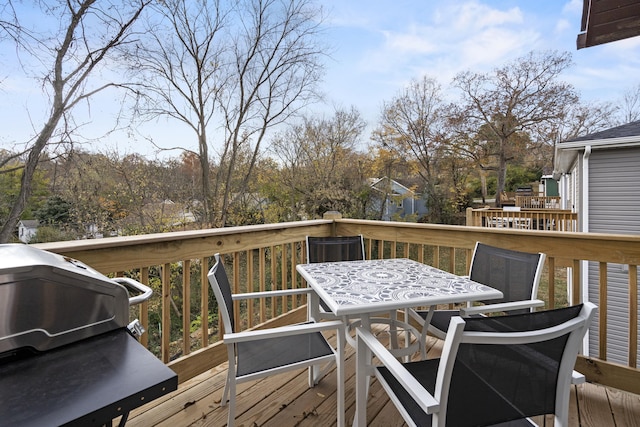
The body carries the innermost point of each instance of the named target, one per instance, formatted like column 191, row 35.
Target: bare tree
column 322, row 169
column 413, row 125
column 86, row 32
column 579, row 119
column 630, row 106
column 179, row 72
column 500, row 109
column 239, row 68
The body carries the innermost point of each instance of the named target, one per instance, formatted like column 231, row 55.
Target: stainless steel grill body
column 47, row 300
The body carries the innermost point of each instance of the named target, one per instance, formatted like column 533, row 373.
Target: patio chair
column 351, row 248
column 516, row 274
column 492, row 370
column 259, row 353
column 333, row 249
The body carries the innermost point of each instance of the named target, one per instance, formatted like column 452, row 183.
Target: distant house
column 27, row 229
column 599, row 178
column 398, row 199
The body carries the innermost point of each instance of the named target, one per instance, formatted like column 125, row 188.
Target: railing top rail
column 110, row 242
column 121, row 253
column 522, row 209
column 619, row 248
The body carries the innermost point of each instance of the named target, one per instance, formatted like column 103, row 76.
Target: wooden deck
column 286, row 400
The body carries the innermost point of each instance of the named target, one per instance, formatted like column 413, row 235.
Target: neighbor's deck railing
column 264, row 257
column 523, row 219
column 538, row 202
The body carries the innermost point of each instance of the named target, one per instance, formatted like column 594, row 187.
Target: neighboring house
column 398, row 199
column 548, row 186
column 27, row 229
column 599, row 178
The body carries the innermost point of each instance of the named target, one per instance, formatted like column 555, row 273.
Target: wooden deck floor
column 286, row 400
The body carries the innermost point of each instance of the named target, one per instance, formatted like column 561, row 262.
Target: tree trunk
column 502, row 177
column 30, row 166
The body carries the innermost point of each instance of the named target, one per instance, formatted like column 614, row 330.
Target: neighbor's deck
column 286, row 400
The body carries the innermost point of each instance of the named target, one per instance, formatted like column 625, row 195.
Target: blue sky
column 378, row 46
column 381, row 45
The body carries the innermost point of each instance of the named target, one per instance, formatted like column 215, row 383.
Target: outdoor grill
column 69, row 354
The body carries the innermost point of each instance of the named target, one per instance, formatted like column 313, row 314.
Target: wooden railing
column 181, row 318
column 523, row 219
column 538, row 202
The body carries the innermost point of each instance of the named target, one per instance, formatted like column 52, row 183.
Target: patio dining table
column 360, row 289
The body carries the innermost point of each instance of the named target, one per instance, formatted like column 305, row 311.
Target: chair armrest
column 423, row 398
column 298, row 329
column 506, row 306
column 269, row 294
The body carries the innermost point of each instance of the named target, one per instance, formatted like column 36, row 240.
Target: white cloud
column 475, row 16
column 455, row 38
column 563, row 25
column 573, row 7
column 415, row 41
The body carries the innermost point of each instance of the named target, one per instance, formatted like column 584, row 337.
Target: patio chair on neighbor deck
column 492, row 370
column 516, row 274
column 260, row 353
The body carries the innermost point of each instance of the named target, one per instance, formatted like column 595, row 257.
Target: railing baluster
column 452, row 260
column 144, row 308
column 166, row 312
column 262, row 278
column 283, row 275
column 575, row 285
column 551, row 267
column 633, row 315
column 250, row 288
column 204, row 304
column 294, row 275
column 602, row 311
column 236, row 289
column 186, row 307
column 274, row 284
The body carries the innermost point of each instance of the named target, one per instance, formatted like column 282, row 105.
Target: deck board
column 286, row 400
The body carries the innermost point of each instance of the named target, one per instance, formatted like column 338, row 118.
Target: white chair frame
column 315, row 374
column 470, row 310
column 368, row 346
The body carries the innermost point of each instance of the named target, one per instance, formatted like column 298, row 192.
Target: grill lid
column 48, row 300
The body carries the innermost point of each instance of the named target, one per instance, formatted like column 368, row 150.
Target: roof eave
column 566, row 152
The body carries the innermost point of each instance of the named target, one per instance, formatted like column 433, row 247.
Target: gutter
column 584, row 197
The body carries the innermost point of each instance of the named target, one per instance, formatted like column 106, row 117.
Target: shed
column 599, row 178
column 27, row 229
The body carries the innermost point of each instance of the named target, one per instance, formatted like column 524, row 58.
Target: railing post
column 332, row 215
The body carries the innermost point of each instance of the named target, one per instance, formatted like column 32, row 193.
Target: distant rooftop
column 628, row 130
column 625, row 136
